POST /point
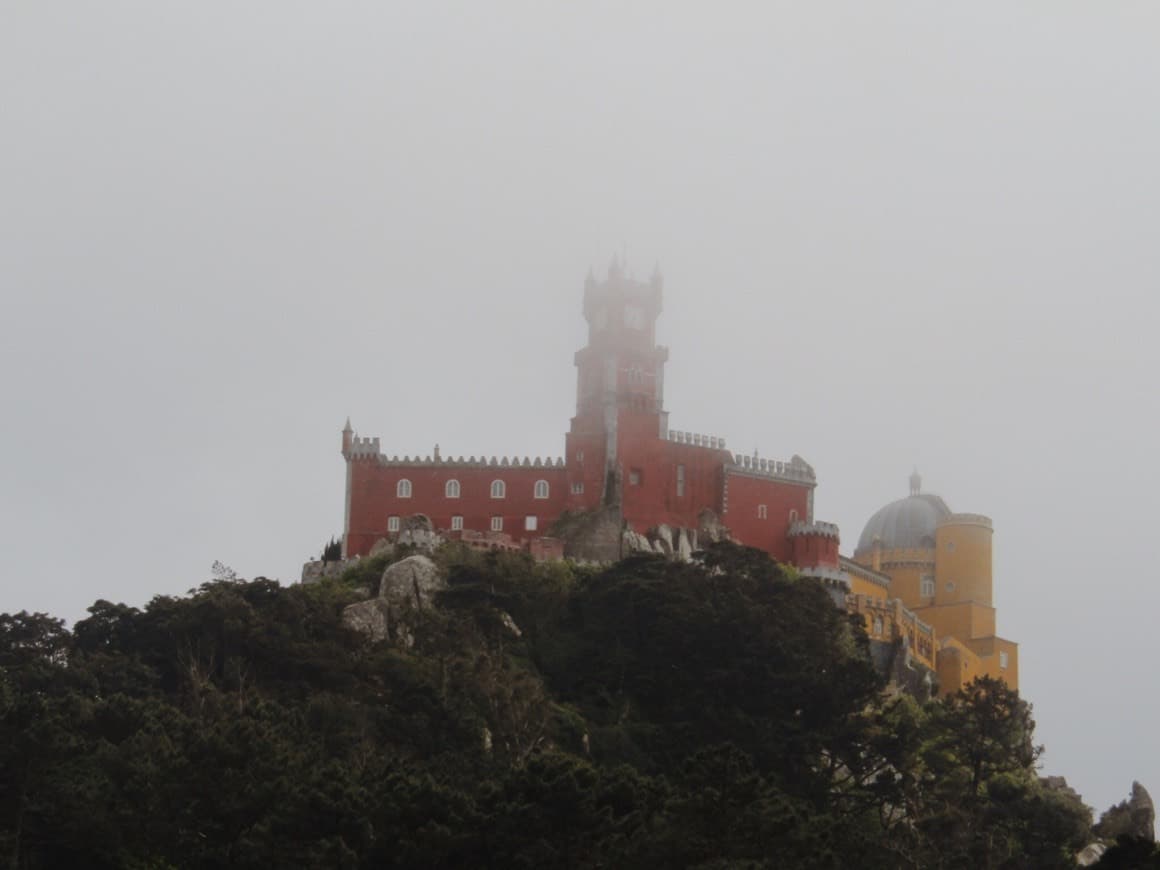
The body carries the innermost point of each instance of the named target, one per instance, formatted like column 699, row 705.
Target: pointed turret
column 347, row 437
column 915, row 482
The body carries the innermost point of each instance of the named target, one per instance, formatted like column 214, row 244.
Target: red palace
column 626, row 478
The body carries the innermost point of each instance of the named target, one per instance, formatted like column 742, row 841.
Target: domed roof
column 908, row 523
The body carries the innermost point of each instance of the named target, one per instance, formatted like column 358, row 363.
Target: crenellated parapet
column 818, row 529
column 694, row 439
column 967, row 520
column 472, row 462
column 796, row 470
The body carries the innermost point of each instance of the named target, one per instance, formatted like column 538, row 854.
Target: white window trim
column 530, row 523
column 762, row 512
column 403, row 488
column 457, row 524
column 498, row 489
column 393, row 524
column 451, row 489
column 542, row 485
column 497, row 524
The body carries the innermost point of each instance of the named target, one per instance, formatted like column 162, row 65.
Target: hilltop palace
column 920, row 575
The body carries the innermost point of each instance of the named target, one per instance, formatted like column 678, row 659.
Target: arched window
column 451, row 490
column 541, row 489
column 878, row 625
column 793, row 516
column 403, row 488
column 762, row 512
column 498, row 489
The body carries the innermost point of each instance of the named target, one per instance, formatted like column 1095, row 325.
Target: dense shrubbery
column 653, row 714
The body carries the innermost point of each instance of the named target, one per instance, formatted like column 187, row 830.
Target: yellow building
column 939, row 569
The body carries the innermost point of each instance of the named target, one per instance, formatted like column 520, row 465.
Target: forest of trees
column 648, row 714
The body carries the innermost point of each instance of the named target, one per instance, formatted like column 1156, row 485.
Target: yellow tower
column 939, row 564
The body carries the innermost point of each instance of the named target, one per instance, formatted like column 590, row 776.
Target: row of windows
column 451, row 489
column 530, row 524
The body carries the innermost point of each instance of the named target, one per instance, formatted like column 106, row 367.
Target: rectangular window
column 634, row 477
column 456, row 524
column 577, row 489
column 680, row 480
column 762, row 512
column 497, row 524
column 529, row 524
column 1002, row 658
column 392, row 524
column 927, row 586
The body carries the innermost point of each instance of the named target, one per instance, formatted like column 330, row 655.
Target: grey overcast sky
column 893, row 234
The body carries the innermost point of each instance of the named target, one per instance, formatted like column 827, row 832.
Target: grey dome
column 908, row 523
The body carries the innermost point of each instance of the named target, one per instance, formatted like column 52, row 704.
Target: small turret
column 347, row 438
column 915, row 482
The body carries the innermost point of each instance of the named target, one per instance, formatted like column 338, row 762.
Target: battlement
column 967, row 520
column 696, row 440
column 620, row 283
column 796, row 470
column 473, row 462
column 825, row 530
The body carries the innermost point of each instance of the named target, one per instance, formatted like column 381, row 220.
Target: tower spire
column 915, row 482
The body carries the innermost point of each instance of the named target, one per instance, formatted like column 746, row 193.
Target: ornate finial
column 915, row 482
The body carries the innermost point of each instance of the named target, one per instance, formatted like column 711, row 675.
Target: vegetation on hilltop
column 651, row 714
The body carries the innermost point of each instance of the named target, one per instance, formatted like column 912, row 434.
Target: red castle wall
column 373, row 498
column 745, row 493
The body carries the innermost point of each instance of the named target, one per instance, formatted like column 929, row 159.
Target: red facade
column 620, row 455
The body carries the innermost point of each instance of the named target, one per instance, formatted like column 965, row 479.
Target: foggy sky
column 892, row 234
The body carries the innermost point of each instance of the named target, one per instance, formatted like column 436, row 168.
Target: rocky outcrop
column 411, row 583
column 1090, row 854
column 1135, row 817
column 407, row 590
column 317, row 571
column 371, row 618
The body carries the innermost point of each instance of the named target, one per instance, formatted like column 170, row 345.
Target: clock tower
column 620, row 381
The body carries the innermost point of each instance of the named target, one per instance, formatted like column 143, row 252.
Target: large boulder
column 371, row 618
column 411, row 583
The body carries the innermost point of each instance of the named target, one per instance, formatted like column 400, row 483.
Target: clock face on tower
column 634, row 317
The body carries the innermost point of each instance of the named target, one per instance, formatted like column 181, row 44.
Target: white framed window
column 793, row 516
column 403, row 488
column 927, row 590
column 392, row 524
column 529, row 524
column 498, row 489
column 634, row 477
column 680, row 480
column 541, row 489
column 497, row 524
column 577, row 489
column 762, row 512
column 456, row 524
column 1003, row 661
column 451, row 489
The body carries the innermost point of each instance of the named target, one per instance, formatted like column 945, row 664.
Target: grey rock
column 371, row 618
column 1135, row 817
column 1090, row 854
column 411, row 584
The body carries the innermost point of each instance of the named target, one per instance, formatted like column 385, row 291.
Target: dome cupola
column 906, row 524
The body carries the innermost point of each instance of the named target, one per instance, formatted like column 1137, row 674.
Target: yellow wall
column 964, row 621
column 963, row 560
column 990, row 652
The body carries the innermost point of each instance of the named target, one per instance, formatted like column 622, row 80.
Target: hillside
column 651, row 714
